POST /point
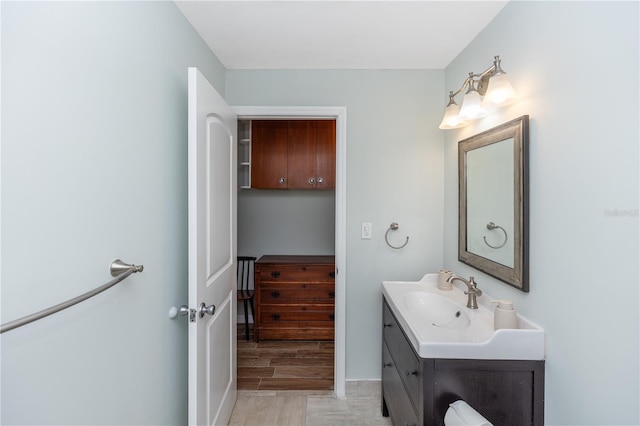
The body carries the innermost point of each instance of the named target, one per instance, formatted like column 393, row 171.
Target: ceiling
column 347, row 34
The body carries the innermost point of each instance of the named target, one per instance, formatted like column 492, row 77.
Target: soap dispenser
column 505, row 315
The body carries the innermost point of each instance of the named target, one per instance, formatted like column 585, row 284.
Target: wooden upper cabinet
column 293, row 154
column 326, row 154
column 302, row 154
column 269, row 154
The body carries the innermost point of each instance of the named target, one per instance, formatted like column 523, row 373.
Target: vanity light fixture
column 485, row 92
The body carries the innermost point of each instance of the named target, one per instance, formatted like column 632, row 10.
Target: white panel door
column 212, row 253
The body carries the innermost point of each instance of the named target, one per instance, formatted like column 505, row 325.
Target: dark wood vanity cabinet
column 418, row 391
column 293, row 154
column 294, row 298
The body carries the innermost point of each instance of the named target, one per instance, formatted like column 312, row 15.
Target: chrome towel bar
column 118, row 269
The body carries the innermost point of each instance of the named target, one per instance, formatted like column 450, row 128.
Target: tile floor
column 310, row 408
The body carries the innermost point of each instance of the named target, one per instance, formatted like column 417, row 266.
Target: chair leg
column 246, row 319
column 253, row 315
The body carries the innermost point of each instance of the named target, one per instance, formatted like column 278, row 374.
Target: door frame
column 340, row 115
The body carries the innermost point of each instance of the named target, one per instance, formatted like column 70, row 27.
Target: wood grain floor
column 284, row 365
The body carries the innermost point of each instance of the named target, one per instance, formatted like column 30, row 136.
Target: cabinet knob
column 275, row 317
column 275, row 274
column 312, row 181
column 320, row 180
column 275, row 294
column 282, row 180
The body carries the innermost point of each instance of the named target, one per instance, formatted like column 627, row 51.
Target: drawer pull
column 332, row 274
column 387, row 325
column 275, row 294
column 275, row 317
column 332, row 317
column 387, row 364
column 332, row 294
column 412, row 373
column 275, row 274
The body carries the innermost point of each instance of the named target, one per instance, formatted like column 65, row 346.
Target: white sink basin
column 439, row 325
column 437, row 310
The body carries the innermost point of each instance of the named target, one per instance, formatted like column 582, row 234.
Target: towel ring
column 492, row 226
column 393, row 227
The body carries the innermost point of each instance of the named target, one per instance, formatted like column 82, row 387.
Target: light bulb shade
column 472, row 106
column 451, row 119
column 499, row 92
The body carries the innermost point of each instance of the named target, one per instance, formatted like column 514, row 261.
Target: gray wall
column 575, row 66
column 286, row 222
column 94, row 167
column 394, row 173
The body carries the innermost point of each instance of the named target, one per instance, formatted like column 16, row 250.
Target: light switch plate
column 366, row 230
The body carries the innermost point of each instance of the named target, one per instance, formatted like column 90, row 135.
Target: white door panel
column 219, row 242
column 212, row 253
column 220, row 380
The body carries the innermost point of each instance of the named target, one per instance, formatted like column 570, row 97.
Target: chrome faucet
column 472, row 290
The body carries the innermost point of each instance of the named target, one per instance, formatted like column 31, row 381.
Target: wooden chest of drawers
column 294, row 298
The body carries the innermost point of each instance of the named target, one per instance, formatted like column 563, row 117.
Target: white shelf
column 244, row 154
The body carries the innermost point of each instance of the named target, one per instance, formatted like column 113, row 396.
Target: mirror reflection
column 490, row 202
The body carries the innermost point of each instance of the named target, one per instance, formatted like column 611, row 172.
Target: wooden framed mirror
column 493, row 215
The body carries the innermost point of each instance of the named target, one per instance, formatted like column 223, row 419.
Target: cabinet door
column 326, row 154
column 269, row 154
column 302, row 153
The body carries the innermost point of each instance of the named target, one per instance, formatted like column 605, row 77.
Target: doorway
column 340, row 115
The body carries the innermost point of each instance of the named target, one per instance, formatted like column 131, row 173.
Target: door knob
column 182, row 311
column 204, row 309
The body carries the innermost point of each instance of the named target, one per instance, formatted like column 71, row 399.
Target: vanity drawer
column 398, row 402
column 407, row 362
column 278, row 293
